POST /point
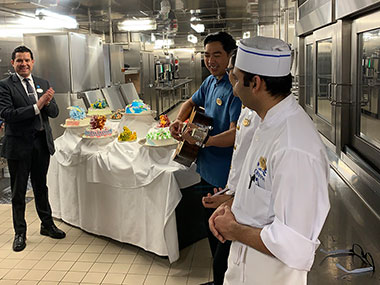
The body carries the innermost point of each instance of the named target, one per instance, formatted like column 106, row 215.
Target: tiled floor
column 83, row 258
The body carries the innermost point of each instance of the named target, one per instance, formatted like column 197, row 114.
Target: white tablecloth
column 122, row 190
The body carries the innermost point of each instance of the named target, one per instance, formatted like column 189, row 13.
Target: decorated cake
column 97, row 128
column 159, row 137
column 127, row 135
column 117, row 115
column 137, row 107
column 77, row 117
column 164, row 121
column 99, row 107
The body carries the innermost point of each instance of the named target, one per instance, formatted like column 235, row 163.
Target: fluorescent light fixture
column 142, row 24
column 246, row 35
column 51, row 19
column 12, row 31
column 163, row 43
column 197, row 11
column 191, row 50
column 199, row 28
column 193, row 39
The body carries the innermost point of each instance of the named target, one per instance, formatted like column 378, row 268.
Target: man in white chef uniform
column 281, row 200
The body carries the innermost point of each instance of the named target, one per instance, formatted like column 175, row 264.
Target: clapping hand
column 45, row 98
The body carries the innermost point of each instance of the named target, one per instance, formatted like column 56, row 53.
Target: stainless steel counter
column 168, row 96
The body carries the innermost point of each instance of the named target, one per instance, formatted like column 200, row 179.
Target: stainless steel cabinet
column 320, row 75
column 71, row 62
column 326, row 86
column 365, row 75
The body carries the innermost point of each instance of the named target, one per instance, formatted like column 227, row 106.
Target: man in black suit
column 26, row 103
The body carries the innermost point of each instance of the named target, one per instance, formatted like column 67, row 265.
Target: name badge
column 39, row 90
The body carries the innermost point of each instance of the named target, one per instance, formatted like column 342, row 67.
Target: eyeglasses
column 228, row 69
column 356, row 250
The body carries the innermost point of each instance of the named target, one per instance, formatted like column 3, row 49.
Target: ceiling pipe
column 222, row 19
column 89, row 20
column 13, row 12
column 110, row 20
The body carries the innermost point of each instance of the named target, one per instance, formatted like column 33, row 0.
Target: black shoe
column 19, row 242
column 52, row 231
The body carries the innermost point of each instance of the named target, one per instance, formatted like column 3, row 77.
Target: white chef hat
column 264, row 56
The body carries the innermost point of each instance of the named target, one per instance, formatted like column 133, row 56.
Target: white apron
column 263, row 269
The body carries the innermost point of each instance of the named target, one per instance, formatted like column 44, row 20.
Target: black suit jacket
column 18, row 114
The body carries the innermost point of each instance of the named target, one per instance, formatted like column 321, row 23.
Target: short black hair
column 233, row 57
column 276, row 86
column 21, row 49
column 227, row 41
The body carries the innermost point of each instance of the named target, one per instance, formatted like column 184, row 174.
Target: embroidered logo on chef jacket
column 260, row 172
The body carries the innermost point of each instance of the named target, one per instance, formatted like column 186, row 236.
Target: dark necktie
column 29, row 87
column 32, row 100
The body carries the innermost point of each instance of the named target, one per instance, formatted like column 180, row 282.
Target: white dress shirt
column 36, row 110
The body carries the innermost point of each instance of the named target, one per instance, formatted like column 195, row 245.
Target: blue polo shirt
column 213, row 163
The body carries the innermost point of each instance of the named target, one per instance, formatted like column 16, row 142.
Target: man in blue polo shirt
column 216, row 97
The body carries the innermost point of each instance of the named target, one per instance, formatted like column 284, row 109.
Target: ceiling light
column 199, row 28
column 246, row 35
column 51, row 19
column 163, row 43
column 142, row 24
column 197, row 11
column 193, row 39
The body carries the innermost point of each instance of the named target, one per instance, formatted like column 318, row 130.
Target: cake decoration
column 99, row 107
column 164, row 121
column 77, row 117
column 99, row 104
column 137, row 107
column 127, row 135
column 117, row 115
column 97, row 128
column 159, row 137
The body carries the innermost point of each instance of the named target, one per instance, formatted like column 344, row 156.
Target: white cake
column 97, row 128
column 159, row 137
column 77, row 117
column 137, row 107
column 100, row 108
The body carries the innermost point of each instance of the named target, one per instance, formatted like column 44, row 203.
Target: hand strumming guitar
column 176, row 129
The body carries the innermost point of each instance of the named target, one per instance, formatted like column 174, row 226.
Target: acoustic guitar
column 187, row 153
